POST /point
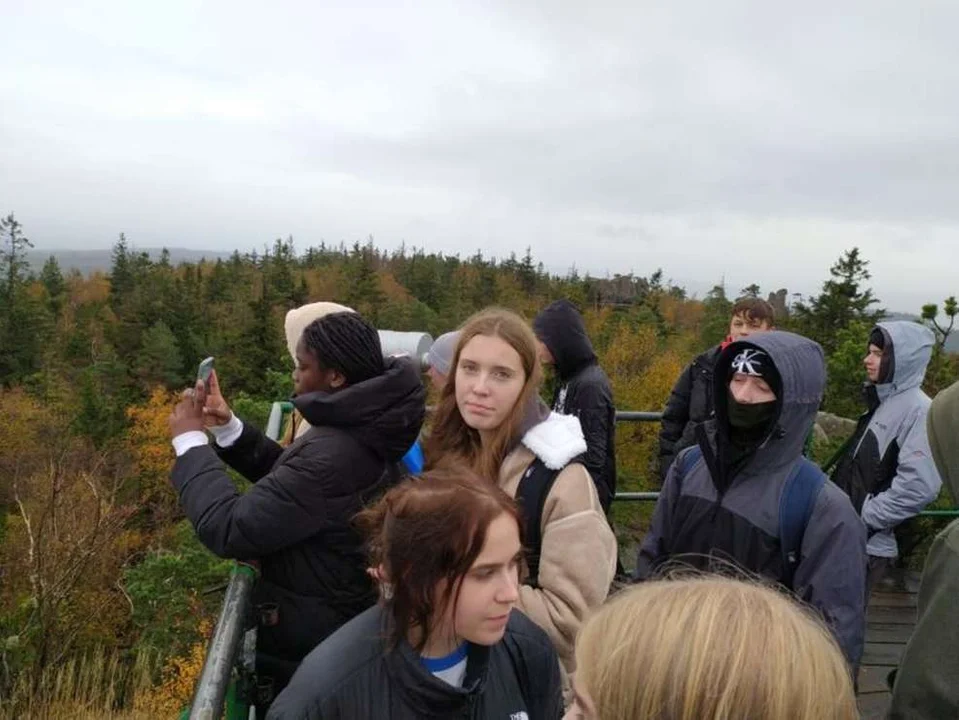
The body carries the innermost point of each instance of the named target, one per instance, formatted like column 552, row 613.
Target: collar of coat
column 556, row 440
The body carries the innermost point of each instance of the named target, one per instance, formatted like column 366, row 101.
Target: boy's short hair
column 754, row 308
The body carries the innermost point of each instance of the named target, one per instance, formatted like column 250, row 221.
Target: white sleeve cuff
column 188, row 441
column 226, row 435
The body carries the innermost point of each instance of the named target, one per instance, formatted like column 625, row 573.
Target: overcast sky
column 749, row 140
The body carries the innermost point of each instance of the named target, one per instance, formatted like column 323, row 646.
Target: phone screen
column 203, row 373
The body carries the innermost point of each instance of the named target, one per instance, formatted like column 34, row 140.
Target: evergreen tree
column 22, row 321
column 364, row 295
column 160, row 360
column 121, row 273
column 52, row 280
column 844, row 300
column 718, row 309
column 930, row 314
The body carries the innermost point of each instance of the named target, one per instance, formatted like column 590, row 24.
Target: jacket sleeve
column 831, row 575
column 577, row 560
column 655, row 546
column 253, row 454
column 926, row 685
column 595, row 405
column 547, row 690
column 916, row 483
column 675, row 417
column 284, row 507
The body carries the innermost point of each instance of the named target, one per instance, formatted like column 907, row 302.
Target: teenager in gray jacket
column 888, row 471
column 726, row 507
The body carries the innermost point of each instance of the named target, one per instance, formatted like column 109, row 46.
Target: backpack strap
column 796, row 504
column 689, row 459
column 531, row 494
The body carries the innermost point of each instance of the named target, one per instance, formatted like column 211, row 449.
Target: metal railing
column 224, row 647
column 222, row 652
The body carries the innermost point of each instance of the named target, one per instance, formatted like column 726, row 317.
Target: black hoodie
column 354, row 676
column 296, row 519
column 583, row 391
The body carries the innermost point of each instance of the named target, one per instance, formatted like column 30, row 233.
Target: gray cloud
column 739, row 139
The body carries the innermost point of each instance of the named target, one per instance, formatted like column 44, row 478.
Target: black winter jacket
column 584, row 391
column 296, row 520
column 690, row 403
column 353, row 676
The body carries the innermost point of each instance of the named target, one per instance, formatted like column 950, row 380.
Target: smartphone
column 203, row 372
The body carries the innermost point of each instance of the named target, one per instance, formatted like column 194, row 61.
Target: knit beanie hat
column 440, row 355
column 756, row 363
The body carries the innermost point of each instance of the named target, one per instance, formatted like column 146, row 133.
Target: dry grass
column 105, row 685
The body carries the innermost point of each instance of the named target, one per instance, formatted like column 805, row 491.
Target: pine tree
column 751, row 291
column 52, row 280
column 718, row 309
column 22, row 321
column 160, row 361
column 844, row 300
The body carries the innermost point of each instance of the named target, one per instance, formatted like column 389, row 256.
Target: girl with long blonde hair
column 490, row 418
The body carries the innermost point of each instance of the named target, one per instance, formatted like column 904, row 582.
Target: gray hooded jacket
column 888, row 472
column 724, row 511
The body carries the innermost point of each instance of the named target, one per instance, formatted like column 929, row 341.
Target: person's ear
column 337, row 379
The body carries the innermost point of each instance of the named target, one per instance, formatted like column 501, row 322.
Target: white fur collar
column 556, row 440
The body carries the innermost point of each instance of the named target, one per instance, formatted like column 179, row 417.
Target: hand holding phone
column 203, row 373
column 216, row 411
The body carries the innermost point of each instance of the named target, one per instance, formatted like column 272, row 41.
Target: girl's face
column 490, row 589
column 489, row 380
column 309, row 377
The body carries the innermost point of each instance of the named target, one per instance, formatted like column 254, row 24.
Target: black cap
column 756, row 363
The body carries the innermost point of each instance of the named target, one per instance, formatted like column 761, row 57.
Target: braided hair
column 345, row 342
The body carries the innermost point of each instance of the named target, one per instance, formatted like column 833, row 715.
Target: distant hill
column 88, row 261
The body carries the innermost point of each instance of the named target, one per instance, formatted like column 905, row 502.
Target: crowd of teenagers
column 469, row 568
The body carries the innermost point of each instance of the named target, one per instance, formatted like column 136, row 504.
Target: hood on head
column 384, row 413
column 907, row 351
column 298, row 318
column 802, row 369
column 440, row 354
column 560, row 327
column 942, row 426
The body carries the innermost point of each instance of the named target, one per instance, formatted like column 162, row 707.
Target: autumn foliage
column 106, row 596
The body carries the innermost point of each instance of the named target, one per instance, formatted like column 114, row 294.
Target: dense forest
column 105, row 596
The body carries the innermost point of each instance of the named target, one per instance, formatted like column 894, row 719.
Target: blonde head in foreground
column 707, row 648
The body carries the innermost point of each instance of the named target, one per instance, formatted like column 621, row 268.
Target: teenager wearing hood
column 364, row 413
column 887, row 470
column 294, row 324
column 297, row 320
column 926, row 686
column 691, row 400
column 439, row 358
column 583, row 390
column 725, row 499
column 490, row 418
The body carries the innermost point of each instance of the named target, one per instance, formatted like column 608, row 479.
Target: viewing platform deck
column 889, row 624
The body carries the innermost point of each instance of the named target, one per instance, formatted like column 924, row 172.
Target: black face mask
column 743, row 416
